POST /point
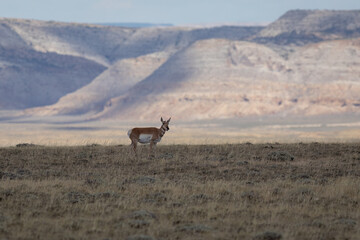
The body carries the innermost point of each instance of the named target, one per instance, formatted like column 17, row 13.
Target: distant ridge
column 305, row 63
column 308, row 26
column 136, row 25
column 43, row 61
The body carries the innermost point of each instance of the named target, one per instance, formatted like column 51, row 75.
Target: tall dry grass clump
column 244, row 191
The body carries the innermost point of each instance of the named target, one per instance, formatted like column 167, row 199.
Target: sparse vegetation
column 241, row 191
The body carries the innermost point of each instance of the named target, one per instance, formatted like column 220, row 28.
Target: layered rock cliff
column 305, row 63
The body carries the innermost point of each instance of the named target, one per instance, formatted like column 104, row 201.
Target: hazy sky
column 178, row 12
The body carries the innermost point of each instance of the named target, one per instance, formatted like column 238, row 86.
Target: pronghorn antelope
column 150, row 135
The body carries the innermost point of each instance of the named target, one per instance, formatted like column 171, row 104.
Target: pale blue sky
column 178, row 12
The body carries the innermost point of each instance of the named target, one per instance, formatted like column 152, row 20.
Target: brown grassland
column 229, row 191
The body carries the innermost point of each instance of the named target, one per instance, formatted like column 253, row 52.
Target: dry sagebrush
column 245, row 191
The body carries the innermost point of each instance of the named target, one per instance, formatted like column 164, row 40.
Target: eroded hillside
column 305, row 63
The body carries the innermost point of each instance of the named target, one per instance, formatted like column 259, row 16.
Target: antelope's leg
column 152, row 145
column 134, row 145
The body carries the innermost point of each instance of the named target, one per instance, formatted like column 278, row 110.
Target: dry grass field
column 239, row 191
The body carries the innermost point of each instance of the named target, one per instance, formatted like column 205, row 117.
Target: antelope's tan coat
column 150, row 135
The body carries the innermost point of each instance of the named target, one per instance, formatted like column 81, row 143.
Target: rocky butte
column 304, row 63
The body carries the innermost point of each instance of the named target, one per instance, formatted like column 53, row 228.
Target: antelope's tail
column 129, row 132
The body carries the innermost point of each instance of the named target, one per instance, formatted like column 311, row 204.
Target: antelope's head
column 165, row 124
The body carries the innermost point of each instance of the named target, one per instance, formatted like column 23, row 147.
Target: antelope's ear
column 161, row 120
column 169, row 120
